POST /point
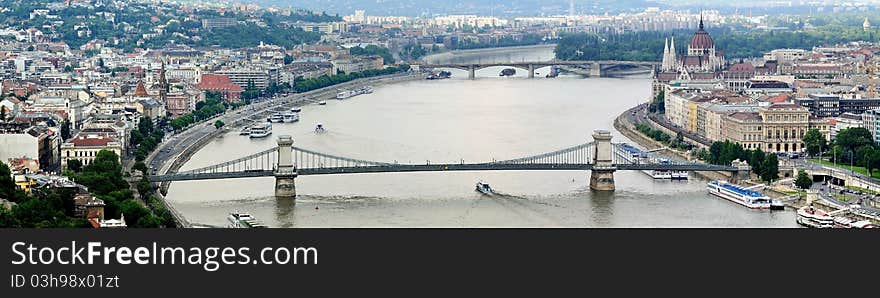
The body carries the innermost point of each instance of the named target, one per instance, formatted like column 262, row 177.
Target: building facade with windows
column 84, row 147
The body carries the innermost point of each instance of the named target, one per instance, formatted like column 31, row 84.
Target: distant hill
column 507, row 8
column 480, row 7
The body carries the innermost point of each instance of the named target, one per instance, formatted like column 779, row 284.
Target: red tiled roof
column 141, row 90
column 742, row 67
column 92, row 140
column 217, row 82
column 781, row 98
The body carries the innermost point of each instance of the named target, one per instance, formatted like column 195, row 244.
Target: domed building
column 702, row 60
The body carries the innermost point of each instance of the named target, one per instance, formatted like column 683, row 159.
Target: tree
column 104, row 174
column 863, row 155
column 814, row 142
column 836, row 153
column 145, row 125
column 803, row 180
column 3, row 114
column 140, row 166
column 7, row 184
column 715, row 152
column 74, row 165
column 65, row 130
column 757, row 161
column 136, row 138
column 770, row 168
column 132, row 211
column 852, row 138
column 218, row 124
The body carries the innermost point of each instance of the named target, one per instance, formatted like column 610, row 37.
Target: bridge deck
column 434, row 168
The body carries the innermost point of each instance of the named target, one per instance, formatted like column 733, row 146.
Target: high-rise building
column 360, row 16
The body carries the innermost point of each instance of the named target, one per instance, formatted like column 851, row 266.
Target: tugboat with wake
column 507, row 72
column 484, row 188
column 439, row 76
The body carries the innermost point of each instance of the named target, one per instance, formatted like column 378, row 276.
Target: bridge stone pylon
column 595, row 70
column 602, row 174
column 285, row 170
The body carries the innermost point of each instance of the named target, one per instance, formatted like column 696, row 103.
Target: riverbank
column 176, row 150
column 624, row 124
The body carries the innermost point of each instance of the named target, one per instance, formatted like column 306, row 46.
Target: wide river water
column 453, row 120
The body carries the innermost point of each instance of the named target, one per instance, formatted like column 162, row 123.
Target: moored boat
column 276, row 118
column 290, row 117
column 777, row 205
column 814, row 218
column 345, row 94
column 246, row 130
column 679, row 175
column 738, row 194
column 261, row 131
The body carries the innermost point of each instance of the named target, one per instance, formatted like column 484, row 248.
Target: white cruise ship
column 243, row 220
column 679, row 175
column 290, row 117
column 261, row 130
column 345, row 94
column 276, row 118
column 814, row 218
column 738, row 194
column 636, row 155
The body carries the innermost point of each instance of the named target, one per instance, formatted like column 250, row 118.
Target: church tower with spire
column 163, row 83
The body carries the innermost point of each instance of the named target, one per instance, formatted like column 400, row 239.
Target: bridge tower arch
column 602, row 174
column 285, row 170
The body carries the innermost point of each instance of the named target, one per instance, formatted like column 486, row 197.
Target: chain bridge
column 530, row 66
column 285, row 162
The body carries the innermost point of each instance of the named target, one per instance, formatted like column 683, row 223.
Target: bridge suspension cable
column 580, row 154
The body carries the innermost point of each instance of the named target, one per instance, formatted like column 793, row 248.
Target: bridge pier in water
column 285, row 173
column 531, row 71
column 471, row 72
column 602, row 174
column 595, row 70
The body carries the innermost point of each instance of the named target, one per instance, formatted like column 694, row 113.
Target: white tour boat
column 261, row 131
column 738, row 194
column 276, row 118
column 345, row 94
column 290, row 117
column 814, row 218
column 243, row 220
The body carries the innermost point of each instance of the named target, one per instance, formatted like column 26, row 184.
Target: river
column 453, row 120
